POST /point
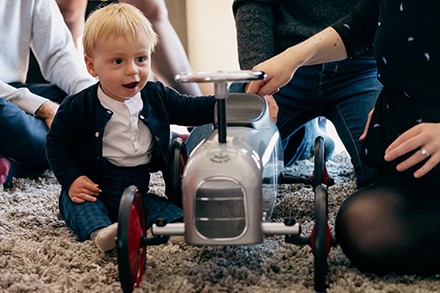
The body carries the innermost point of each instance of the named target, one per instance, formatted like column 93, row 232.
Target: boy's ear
column 89, row 65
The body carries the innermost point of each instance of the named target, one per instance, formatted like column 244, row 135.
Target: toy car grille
column 220, row 209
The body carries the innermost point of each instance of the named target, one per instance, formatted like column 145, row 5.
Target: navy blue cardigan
column 74, row 141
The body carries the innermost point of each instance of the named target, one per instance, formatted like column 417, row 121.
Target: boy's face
column 122, row 66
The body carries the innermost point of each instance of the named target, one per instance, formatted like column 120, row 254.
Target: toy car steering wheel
column 221, row 79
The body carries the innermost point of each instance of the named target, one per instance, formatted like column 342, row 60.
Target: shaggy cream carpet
column 39, row 254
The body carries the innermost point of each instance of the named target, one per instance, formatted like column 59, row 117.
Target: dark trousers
column 23, row 136
column 87, row 217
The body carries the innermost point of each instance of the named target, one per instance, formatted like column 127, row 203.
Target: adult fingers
column 424, row 134
column 431, row 158
column 273, row 107
column 407, row 141
column 413, row 160
column 364, row 134
column 254, row 86
column 428, row 166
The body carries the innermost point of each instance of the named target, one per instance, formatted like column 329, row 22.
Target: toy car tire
column 131, row 229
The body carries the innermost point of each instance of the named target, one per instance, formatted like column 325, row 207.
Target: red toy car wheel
column 131, row 229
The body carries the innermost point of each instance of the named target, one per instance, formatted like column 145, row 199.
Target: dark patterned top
column 407, row 49
column 268, row 27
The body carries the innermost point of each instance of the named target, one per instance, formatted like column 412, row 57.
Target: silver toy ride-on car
column 228, row 186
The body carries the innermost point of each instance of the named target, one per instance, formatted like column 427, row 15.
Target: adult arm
column 38, row 25
column 55, row 51
column 348, row 37
column 325, row 46
column 30, row 102
column 22, row 97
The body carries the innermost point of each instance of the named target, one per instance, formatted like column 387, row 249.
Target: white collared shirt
column 127, row 141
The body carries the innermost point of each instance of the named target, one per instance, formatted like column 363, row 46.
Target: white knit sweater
column 37, row 24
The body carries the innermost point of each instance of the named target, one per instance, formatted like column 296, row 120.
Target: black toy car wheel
column 177, row 164
column 319, row 172
column 321, row 232
column 320, row 239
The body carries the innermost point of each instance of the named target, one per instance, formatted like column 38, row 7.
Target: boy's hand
column 83, row 189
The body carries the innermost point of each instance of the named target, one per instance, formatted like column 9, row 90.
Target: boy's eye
column 141, row 59
column 118, row 61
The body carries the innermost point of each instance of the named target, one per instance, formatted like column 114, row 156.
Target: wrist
column 46, row 110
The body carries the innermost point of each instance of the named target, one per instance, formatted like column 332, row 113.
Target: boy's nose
column 131, row 69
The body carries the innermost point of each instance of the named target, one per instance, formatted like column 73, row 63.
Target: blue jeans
column 344, row 92
column 24, row 135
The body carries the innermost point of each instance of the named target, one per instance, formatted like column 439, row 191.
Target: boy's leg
column 156, row 207
column 83, row 218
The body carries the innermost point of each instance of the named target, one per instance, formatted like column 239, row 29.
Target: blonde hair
column 118, row 19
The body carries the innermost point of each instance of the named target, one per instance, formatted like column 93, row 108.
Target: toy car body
column 230, row 188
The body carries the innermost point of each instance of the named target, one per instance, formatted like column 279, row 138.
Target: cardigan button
column 141, row 117
column 97, row 134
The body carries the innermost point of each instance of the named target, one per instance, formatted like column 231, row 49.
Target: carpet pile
column 38, row 253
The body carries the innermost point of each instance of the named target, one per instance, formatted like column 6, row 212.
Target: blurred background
column 207, row 31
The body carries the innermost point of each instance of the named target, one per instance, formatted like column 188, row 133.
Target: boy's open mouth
column 131, row 85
